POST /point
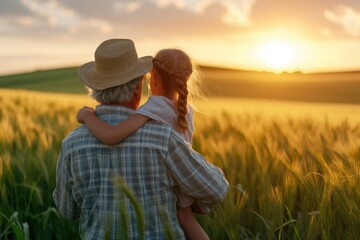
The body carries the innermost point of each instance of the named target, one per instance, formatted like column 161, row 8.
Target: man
column 126, row 190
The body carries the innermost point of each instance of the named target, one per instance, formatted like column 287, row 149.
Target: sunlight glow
column 277, row 55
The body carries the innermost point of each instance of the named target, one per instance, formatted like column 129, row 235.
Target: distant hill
column 62, row 80
column 332, row 87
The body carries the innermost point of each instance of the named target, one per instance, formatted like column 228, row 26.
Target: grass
column 291, row 179
column 291, row 176
column 55, row 80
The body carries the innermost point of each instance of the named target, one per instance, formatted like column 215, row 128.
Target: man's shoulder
column 160, row 132
column 165, row 130
column 153, row 133
column 156, row 129
column 154, row 124
column 79, row 137
column 76, row 133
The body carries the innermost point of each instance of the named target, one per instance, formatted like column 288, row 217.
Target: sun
column 277, row 55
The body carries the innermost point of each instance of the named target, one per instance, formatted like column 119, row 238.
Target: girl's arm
column 107, row 133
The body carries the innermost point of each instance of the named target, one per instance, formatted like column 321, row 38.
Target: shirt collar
column 108, row 109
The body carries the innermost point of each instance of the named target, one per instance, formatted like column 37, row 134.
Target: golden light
column 277, row 55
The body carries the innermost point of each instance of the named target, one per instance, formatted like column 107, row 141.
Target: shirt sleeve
column 195, row 176
column 63, row 194
column 161, row 109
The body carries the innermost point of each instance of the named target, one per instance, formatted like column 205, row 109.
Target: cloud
column 141, row 18
column 13, row 8
column 52, row 20
column 205, row 27
column 127, row 6
column 94, row 8
column 55, row 14
column 167, row 3
column 168, row 19
column 237, row 12
column 347, row 18
column 159, row 19
column 12, row 14
column 306, row 17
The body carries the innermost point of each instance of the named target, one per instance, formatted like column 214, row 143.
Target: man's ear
column 138, row 89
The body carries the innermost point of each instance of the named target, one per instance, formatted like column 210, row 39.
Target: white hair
column 117, row 94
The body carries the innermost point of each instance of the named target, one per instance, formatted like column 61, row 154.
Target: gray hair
column 121, row 93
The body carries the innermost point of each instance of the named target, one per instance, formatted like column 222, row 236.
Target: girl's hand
column 81, row 115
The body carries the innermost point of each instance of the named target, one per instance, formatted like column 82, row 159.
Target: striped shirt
column 151, row 162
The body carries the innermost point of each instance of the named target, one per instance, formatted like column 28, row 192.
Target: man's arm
column 62, row 194
column 195, row 176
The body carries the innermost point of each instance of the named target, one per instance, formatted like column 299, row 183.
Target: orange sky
column 276, row 35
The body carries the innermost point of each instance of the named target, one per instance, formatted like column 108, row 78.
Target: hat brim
column 89, row 76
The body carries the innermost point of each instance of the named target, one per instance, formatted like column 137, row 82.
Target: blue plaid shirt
column 151, row 162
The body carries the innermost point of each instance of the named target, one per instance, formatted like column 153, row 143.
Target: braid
column 175, row 68
column 182, row 103
column 174, row 72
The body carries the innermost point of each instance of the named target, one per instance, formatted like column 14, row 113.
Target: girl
column 168, row 103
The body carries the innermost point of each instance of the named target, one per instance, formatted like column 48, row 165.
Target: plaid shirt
column 151, row 162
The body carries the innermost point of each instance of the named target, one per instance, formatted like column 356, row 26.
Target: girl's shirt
column 164, row 110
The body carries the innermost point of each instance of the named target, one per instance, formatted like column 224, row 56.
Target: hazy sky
column 306, row 35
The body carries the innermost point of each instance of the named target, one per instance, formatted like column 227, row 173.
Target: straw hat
column 116, row 63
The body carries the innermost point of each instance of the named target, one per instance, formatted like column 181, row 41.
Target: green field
column 62, row 80
column 336, row 87
column 293, row 167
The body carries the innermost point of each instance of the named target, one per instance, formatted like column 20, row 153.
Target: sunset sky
column 275, row 35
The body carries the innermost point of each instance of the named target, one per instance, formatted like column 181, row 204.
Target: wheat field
column 292, row 175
